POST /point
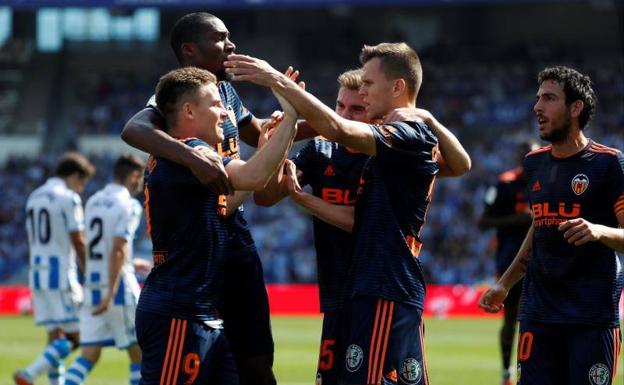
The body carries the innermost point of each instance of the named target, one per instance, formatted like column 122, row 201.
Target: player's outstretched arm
column 492, row 299
column 143, row 131
column 455, row 158
column 579, row 231
column 335, row 215
column 115, row 263
column 325, row 121
column 254, row 174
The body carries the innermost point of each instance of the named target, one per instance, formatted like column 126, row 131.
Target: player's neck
column 121, row 184
column 180, row 132
column 571, row 145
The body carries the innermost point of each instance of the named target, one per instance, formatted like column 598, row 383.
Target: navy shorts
column 560, row 354
column 385, row 344
column 332, row 352
column 245, row 307
column 179, row 351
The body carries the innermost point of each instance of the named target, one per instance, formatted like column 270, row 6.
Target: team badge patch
column 411, row 371
column 319, row 378
column 355, row 356
column 580, row 183
column 519, row 372
column 599, row 374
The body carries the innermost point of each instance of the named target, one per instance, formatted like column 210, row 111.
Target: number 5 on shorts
column 326, row 361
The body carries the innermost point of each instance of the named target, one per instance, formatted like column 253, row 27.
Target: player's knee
column 63, row 346
column 74, row 339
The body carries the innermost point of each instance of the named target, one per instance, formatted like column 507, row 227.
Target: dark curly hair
column 576, row 86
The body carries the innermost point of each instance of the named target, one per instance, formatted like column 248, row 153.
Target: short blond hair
column 398, row 60
column 179, row 86
column 351, row 79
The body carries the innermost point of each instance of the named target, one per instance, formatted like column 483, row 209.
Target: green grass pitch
column 459, row 351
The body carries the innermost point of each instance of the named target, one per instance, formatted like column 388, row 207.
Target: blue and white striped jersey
column 53, row 211
column 110, row 213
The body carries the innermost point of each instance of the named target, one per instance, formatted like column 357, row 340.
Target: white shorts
column 57, row 309
column 114, row 327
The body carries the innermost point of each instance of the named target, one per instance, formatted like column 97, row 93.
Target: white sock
column 51, row 357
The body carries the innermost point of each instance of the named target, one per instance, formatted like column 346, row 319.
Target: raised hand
column 247, row 68
column 268, row 127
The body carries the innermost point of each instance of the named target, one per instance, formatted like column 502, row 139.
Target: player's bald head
column 189, row 29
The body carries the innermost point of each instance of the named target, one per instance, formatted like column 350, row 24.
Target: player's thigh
column 121, row 320
column 332, row 350
column 94, row 330
column 385, row 344
column 245, row 308
column 594, row 354
column 541, row 355
column 55, row 309
column 178, row 351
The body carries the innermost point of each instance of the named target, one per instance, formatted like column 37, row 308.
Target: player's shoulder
column 539, row 153
column 415, row 128
column 94, row 198
column 609, row 152
column 510, row 175
column 226, row 90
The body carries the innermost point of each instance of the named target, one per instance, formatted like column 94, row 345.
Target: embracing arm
column 454, row 161
column 143, row 131
column 335, row 215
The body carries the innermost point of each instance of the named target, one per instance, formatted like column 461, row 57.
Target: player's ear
column 576, row 107
column 187, row 49
column 187, row 110
column 398, row 87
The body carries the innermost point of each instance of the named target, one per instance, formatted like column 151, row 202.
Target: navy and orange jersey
column 333, row 171
column 393, row 196
column 187, row 226
column 508, row 197
column 567, row 283
column 241, row 241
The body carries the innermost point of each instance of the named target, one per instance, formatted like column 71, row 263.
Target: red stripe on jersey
column 148, row 217
column 539, row 150
column 511, row 175
column 604, row 147
column 602, row 150
column 413, row 245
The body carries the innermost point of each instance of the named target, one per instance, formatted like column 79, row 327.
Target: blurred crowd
column 486, row 99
